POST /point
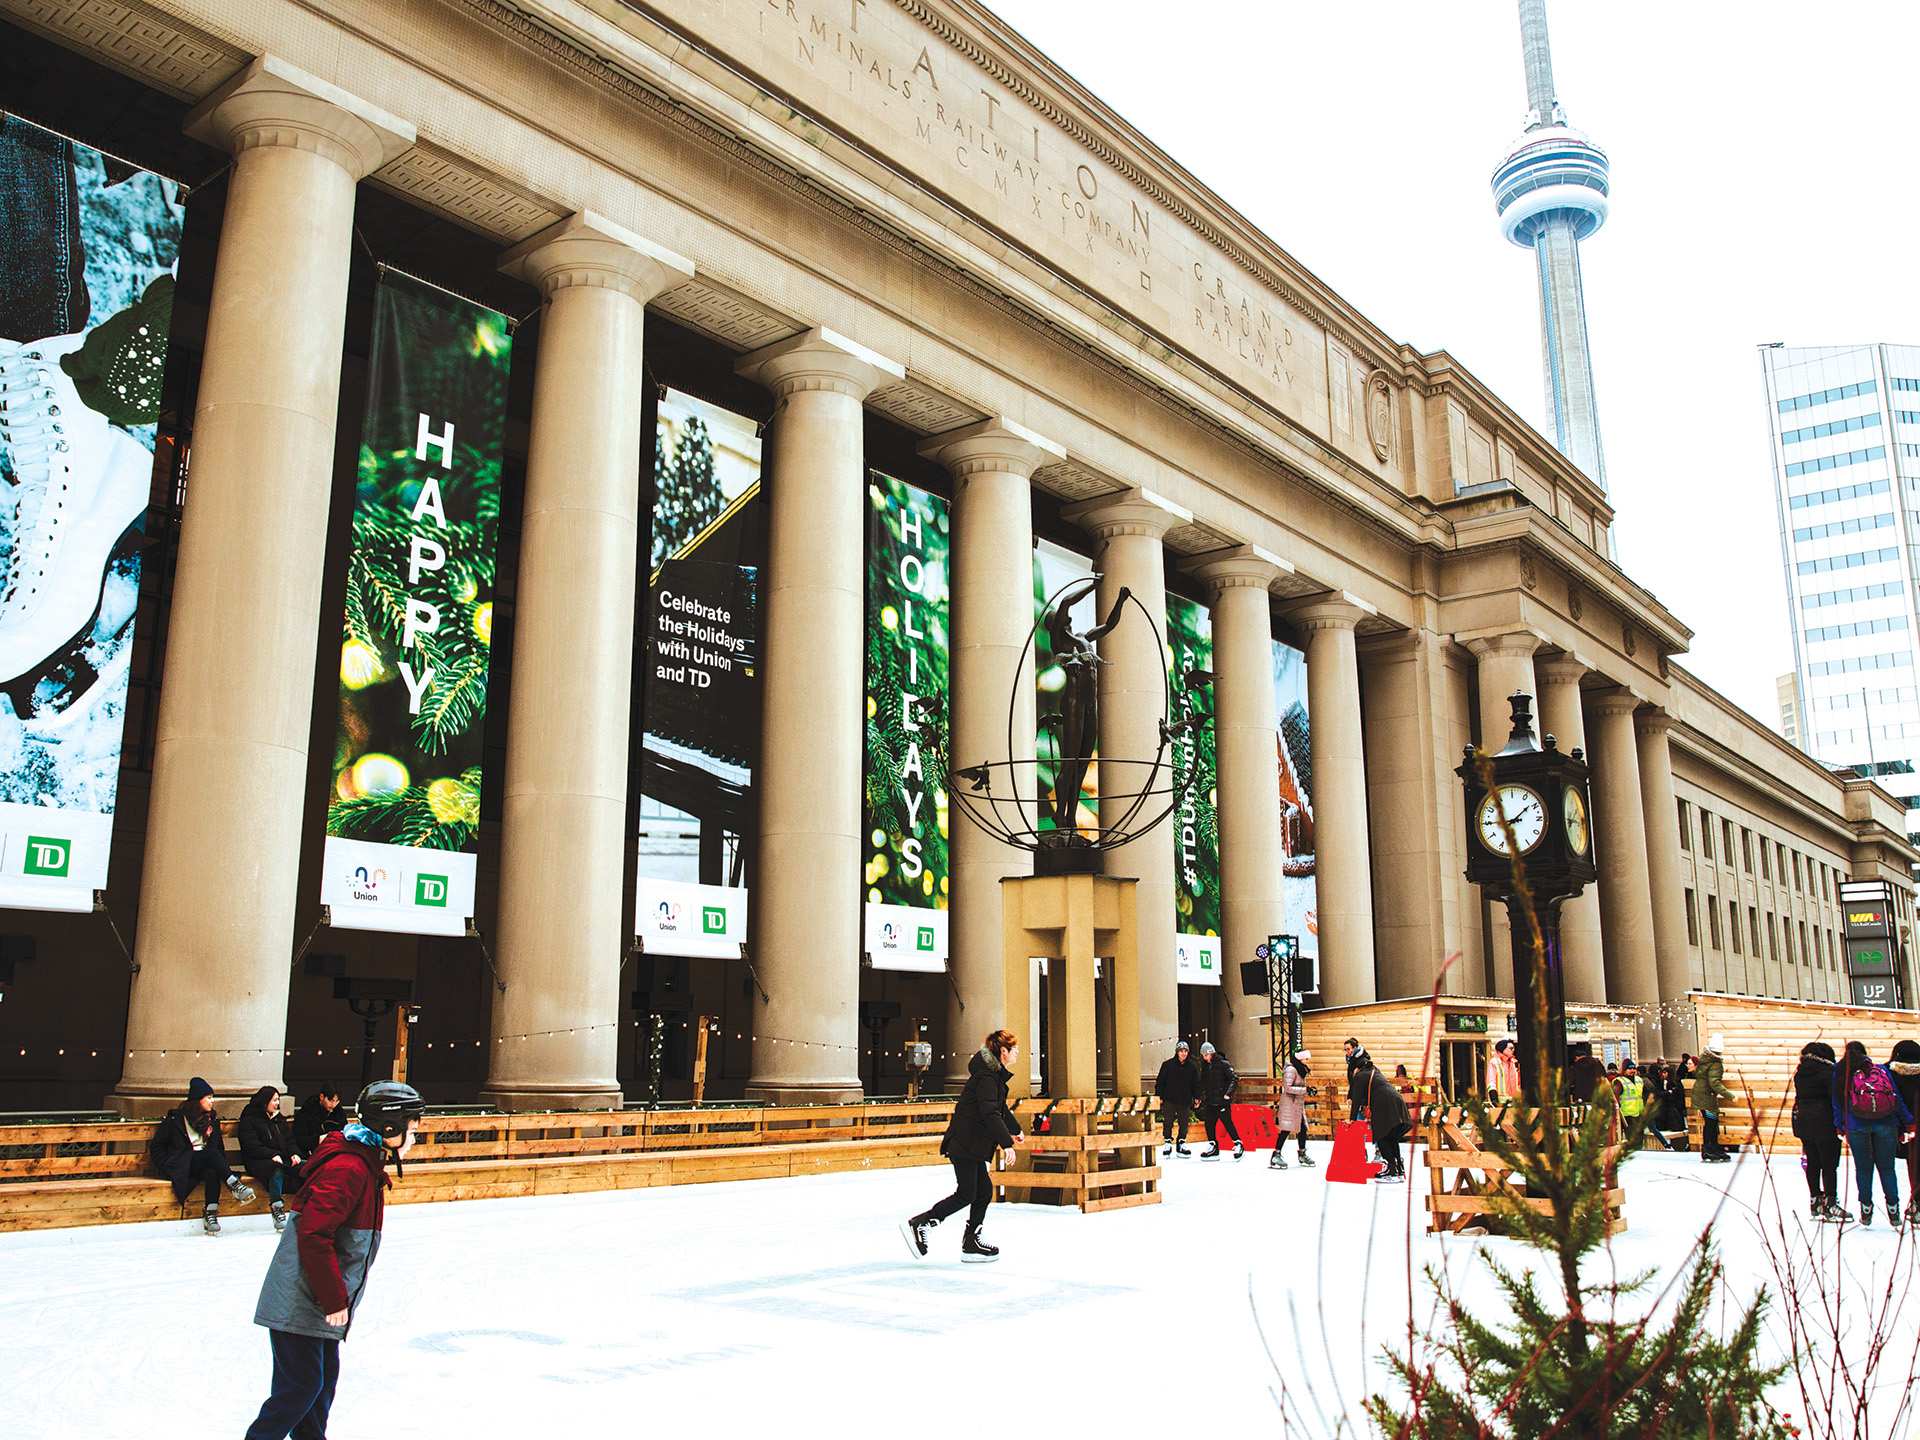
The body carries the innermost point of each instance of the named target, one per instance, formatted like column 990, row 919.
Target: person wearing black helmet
column 319, row 1269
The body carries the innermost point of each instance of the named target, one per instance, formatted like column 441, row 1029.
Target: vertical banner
column 700, row 731
column 1053, row 570
column 907, row 658
column 1196, row 821
column 1295, row 741
column 86, row 301
column 404, row 811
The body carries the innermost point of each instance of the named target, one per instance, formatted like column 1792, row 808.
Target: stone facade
column 897, row 209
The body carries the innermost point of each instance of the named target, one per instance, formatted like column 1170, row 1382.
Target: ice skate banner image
column 91, row 248
column 906, row 874
column 1299, row 897
column 1349, row 1165
column 416, row 637
column 1196, row 823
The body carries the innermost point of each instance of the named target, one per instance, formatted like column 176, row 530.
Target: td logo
column 47, row 855
column 1206, row 960
column 713, row 919
column 925, row 938
column 430, row 890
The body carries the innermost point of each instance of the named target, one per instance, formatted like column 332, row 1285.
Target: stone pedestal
column 556, row 1036
column 1342, row 858
column 806, row 904
column 230, row 746
column 990, row 663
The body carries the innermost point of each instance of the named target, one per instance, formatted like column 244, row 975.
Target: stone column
column 1245, row 736
column 807, row 894
column 991, row 579
column 1133, row 701
column 564, row 806
column 1620, row 846
column 1663, row 872
column 230, row 751
column 1343, row 866
column 1505, row 665
column 1582, row 958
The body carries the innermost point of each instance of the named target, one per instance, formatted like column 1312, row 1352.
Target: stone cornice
column 271, row 103
column 589, row 250
column 993, row 446
column 819, row 360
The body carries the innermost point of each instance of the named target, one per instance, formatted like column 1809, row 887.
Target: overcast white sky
column 1763, row 189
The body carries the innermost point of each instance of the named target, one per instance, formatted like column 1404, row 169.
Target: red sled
column 1255, row 1123
column 1349, row 1164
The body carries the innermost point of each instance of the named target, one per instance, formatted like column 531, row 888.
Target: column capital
column 1651, row 721
column 272, row 103
column 1561, row 669
column 1343, row 613
column 588, row 250
column 819, row 359
column 1242, row 567
column 996, row 446
column 1517, row 645
column 1615, row 702
column 1131, row 512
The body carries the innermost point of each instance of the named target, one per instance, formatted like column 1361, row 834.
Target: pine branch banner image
column 403, row 815
column 1196, row 820
column 92, row 245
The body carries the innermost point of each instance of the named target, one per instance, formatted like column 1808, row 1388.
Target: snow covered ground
column 787, row 1307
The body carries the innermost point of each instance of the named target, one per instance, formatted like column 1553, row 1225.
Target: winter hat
column 1206, row 1047
column 1303, row 1054
column 197, row 1089
column 1182, row 1046
column 1716, row 1043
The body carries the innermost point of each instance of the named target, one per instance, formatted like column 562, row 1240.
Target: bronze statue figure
column 1079, row 733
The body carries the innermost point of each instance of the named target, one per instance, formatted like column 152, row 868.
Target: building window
column 1881, row 626
column 1805, row 959
column 1733, row 925
column 1713, row 922
column 1835, row 462
column 1838, row 427
column 1779, row 861
column 1833, row 950
column 1706, row 835
column 1726, row 834
column 1837, row 392
column 1746, row 849
column 1766, row 870
column 1693, row 921
column 1854, row 526
column 1851, row 561
column 1796, row 870
column 1851, row 593
column 1853, row 664
column 1686, row 829
column 1837, row 492
column 1753, row 931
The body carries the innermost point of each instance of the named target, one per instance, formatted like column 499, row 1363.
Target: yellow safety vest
column 1633, row 1097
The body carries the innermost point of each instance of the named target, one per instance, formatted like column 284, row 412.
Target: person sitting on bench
column 320, row 1114
column 267, row 1149
column 187, row 1151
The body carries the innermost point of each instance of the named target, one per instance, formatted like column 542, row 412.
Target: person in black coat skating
column 1359, row 1062
column 268, row 1151
column 186, row 1150
column 321, row 1113
column 1216, row 1101
column 1387, row 1112
column 981, row 1125
column 1813, row 1126
column 1177, row 1085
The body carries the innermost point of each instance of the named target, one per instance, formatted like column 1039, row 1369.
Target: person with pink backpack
column 1869, row 1110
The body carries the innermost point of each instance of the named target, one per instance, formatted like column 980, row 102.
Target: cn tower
column 1551, row 192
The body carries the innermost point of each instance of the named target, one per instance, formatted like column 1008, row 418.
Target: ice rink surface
column 791, row 1307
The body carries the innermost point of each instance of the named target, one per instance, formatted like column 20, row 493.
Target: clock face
column 1573, row 809
column 1526, row 812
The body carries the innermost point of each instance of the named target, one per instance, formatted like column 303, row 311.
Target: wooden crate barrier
column 1097, row 1155
column 1464, row 1178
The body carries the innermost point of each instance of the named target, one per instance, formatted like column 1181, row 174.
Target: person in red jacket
column 319, row 1269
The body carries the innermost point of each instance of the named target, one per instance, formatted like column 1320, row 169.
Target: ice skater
column 981, row 1125
column 1176, row 1085
column 1290, row 1113
column 319, row 1269
column 1868, row 1109
column 1814, row 1126
column 1387, row 1113
column 1216, row 1101
column 1709, row 1093
column 187, row 1151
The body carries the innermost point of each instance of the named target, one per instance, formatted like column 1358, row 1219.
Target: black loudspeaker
column 1253, row 976
column 873, row 1012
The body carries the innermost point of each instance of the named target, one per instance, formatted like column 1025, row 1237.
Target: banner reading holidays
column 700, row 731
column 404, row 811
column 906, row 803
column 91, row 246
column 1196, row 820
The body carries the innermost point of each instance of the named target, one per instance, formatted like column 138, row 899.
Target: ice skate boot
column 279, row 1208
column 914, row 1232
column 1181, row 1149
column 975, row 1251
column 1866, row 1216
column 1167, row 1149
column 242, row 1191
column 1239, row 1150
column 1390, row 1177
column 1913, row 1210
column 1212, row 1152
column 78, row 483
column 1837, row 1213
column 1304, row 1160
column 210, row 1219
column 1276, row 1161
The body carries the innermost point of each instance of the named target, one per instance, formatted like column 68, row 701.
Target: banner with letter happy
column 92, row 245
column 404, row 813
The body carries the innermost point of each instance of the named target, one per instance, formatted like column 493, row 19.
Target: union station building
column 888, row 237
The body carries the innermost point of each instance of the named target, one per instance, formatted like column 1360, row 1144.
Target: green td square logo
column 1206, row 960
column 430, row 890
column 925, row 938
column 47, row 855
column 713, row 919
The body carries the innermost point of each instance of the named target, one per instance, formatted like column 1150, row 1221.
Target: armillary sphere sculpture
column 1003, row 797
